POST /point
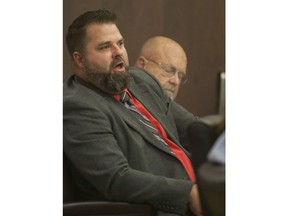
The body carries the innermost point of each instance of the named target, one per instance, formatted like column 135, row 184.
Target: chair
column 211, row 185
column 71, row 207
column 210, row 176
column 202, row 134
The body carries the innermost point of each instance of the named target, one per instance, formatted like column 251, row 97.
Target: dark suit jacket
column 115, row 157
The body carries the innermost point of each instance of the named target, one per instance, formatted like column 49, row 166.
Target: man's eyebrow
column 104, row 43
column 175, row 69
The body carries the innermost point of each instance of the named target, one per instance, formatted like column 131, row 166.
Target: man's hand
column 194, row 201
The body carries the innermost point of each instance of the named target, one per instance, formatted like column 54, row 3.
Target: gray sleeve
column 183, row 119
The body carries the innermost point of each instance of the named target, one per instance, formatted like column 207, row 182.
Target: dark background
column 197, row 25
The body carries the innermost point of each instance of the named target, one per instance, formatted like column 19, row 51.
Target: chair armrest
column 215, row 122
column 211, row 184
column 106, row 208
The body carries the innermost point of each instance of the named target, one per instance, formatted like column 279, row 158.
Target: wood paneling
column 199, row 26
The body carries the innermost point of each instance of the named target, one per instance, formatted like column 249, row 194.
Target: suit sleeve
column 183, row 119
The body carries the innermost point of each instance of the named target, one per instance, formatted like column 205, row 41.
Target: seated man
column 165, row 59
column 120, row 133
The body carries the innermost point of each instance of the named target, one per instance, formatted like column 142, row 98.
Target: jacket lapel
column 154, row 108
column 129, row 119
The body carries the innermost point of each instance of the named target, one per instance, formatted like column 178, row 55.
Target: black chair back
column 68, row 184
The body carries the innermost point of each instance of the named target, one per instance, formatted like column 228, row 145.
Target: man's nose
column 175, row 79
column 117, row 51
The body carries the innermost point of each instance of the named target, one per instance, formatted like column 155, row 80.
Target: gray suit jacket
column 113, row 156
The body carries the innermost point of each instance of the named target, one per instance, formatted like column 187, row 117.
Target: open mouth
column 119, row 67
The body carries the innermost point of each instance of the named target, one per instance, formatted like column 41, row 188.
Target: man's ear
column 78, row 60
column 141, row 62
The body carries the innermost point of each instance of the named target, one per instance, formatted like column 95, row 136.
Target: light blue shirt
column 217, row 152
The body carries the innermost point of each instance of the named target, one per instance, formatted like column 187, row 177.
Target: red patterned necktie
column 176, row 150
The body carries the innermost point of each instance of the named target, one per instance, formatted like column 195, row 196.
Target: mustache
column 118, row 60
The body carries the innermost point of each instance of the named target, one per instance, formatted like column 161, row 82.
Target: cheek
column 158, row 74
column 163, row 81
column 98, row 63
column 125, row 57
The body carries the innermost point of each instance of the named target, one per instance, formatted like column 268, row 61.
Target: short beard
column 109, row 82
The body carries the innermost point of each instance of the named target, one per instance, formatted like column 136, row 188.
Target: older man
column 165, row 59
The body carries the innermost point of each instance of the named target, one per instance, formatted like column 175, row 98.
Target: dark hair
column 75, row 37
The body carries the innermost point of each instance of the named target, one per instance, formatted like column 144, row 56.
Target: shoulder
column 76, row 91
column 141, row 74
column 142, row 77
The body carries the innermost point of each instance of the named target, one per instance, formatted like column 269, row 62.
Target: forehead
column 175, row 52
column 102, row 32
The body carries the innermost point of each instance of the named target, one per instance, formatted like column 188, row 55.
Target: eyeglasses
column 170, row 71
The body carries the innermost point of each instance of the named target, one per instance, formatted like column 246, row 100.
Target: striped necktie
column 125, row 99
column 175, row 150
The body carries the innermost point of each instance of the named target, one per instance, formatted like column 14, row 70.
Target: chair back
column 201, row 140
column 68, row 184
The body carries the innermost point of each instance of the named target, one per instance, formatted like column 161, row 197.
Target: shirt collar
column 117, row 96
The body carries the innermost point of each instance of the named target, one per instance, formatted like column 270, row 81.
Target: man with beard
column 123, row 150
column 165, row 59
